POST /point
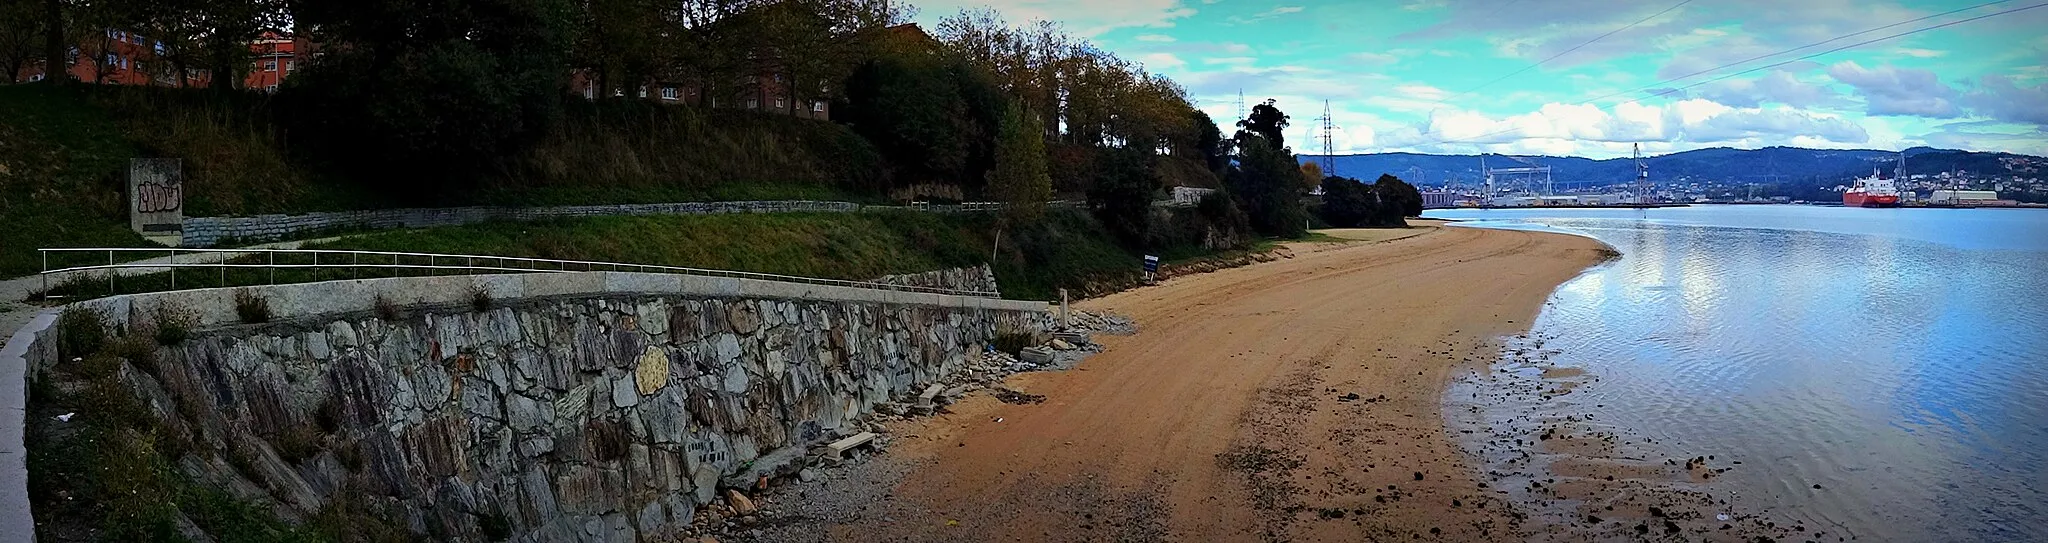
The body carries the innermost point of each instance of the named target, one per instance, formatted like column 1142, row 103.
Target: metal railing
column 223, row 260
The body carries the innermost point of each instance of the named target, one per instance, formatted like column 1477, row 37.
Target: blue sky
column 1424, row 75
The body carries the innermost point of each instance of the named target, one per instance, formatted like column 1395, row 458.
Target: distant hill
column 1792, row 166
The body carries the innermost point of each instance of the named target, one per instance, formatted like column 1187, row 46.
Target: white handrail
column 496, row 264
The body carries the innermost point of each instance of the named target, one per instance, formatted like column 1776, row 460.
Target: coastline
column 1293, row 400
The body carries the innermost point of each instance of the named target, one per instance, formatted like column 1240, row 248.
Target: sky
column 1441, row 76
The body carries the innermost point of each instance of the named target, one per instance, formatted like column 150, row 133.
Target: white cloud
column 1268, row 14
column 2000, row 99
column 1155, row 38
column 1779, row 86
column 1562, row 129
column 1161, row 61
column 1919, row 53
column 1889, row 90
column 1373, row 59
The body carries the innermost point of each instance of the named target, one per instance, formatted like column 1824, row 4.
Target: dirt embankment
column 1292, row 400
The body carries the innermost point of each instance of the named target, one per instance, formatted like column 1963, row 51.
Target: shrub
column 387, row 309
column 479, row 298
column 252, row 308
column 297, row 443
column 80, row 332
column 172, row 325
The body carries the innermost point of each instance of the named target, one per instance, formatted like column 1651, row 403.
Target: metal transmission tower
column 1329, row 142
column 1642, row 177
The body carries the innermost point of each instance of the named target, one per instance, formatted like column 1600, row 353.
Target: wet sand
column 1294, row 400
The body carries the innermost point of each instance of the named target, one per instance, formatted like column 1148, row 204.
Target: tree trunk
column 55, row 70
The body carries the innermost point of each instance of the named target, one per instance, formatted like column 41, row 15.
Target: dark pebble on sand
column 1418, row 477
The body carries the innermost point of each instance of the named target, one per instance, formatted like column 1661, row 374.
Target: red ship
column 1873, row 191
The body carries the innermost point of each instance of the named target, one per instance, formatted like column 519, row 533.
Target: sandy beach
column 1294, row 400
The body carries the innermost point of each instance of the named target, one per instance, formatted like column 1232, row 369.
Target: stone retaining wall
column 976, row 279
column 577, row 407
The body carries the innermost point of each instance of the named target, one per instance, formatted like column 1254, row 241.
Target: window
column 290, row 65
column 780, row 104
column 778, row 78
column 752, row 79
column 270, row 65
column 818, row 106
column 270, row 88
column 589, row 92
column 643, row 92
column 753, row 103
column 668, row 93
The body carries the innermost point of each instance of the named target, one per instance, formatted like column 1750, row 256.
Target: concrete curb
column 26, row 344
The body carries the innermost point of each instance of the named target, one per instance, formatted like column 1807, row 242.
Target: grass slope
column 61, row 171
column 1066, row 249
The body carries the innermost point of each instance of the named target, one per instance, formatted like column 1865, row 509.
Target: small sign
column 156, row 197
column 1151, row 268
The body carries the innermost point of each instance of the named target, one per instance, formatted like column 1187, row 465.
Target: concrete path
column 17, row 319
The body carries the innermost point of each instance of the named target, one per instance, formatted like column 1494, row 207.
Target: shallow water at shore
column 1879, row 374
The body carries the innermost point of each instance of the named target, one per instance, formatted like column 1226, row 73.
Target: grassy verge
column 1065, row 249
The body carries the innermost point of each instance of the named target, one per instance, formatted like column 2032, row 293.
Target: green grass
column 62, row 165
column 1065, row 249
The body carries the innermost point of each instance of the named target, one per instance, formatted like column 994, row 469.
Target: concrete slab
column 839, row 448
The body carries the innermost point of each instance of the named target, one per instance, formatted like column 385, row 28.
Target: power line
column 1774, row 65
column 1574, row 48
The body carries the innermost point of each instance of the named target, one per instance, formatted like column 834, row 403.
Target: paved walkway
column 16, row 523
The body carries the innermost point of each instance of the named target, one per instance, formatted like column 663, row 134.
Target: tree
column 1396, row 199
column 1311, row 174
column 1267, row 183
column 1209, row 142
column 56, row 68
column 1266, row 121
column 926, row 115
column 1347, row 203
column 21, row 33
column 1020, row 180
column 406, row 92
column 1122, row 194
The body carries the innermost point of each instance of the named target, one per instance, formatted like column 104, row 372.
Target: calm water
column 1899, row 357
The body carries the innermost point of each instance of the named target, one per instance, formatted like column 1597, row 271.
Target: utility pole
column 1642, row 177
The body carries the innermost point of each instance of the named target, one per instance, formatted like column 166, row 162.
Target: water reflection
column 1897, row 358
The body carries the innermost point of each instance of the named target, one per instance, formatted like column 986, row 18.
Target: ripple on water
column 1898, row 366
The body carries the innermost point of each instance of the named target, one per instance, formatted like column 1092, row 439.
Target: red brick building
column 766, row 89
column 119, row 57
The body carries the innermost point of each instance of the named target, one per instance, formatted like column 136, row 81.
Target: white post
column 1063, row 308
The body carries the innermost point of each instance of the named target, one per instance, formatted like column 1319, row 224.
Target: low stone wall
column 976, row 279
column 207, row 231
column 576, row 407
